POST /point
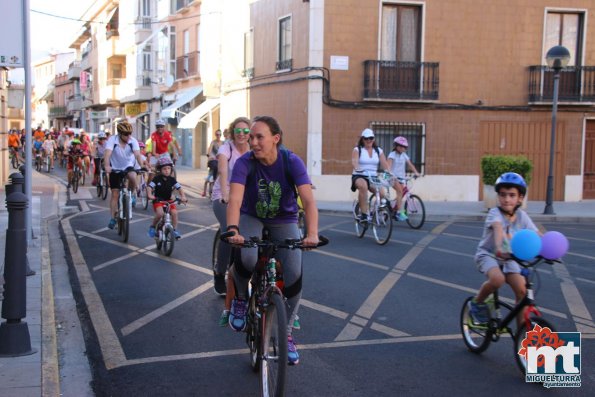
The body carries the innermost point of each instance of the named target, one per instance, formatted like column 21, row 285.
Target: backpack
column 285, row 156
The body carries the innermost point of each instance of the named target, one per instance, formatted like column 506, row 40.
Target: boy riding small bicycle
column 161, row 189
column 494, row 248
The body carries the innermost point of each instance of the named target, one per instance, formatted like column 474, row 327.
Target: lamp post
column 557, row 57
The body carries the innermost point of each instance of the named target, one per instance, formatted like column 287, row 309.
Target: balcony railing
column 577, row 84
column 74, row 103
column 58, row 111
column 187, row 65
column 143, row 79
column 284, row 65
column 74, row 71
column 248, row 73
column 401, row 80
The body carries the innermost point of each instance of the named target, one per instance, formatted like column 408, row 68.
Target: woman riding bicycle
column 227, row 156
column 494, row 248
column 398, row 161
column 262, row 196
column 366, row 159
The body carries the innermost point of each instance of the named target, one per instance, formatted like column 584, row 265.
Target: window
column 401, row 33
column 249, row 54
column 144, row 8
column 172, row 51
column 284, row 57
column 147, row 58
column 386, row 132
column 565, row 28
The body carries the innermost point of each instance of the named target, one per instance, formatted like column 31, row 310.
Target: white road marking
column 155, row 314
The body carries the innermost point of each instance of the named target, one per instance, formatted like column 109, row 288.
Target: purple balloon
column 553, row 245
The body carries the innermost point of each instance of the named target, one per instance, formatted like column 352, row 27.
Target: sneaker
column 220, row 286
column 293, row 358
column 224, row 319
column 112, row 223
column 151, row 232
column 237, row 315
column 296, row 323
column 479, row 312
column 177, row 235
column 363, row 218
column 401, row 216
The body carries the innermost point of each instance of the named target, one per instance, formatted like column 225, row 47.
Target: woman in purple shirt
column 261, row 195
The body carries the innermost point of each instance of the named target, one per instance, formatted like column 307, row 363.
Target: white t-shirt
column 367, row 163
column 399, row 163
column 224, row 150
column 48, row 145
column 122, row 157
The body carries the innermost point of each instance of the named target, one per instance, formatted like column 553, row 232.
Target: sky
column 54, row 32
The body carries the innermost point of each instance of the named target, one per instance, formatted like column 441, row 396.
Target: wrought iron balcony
column 58, row 111
column 392, row 80
column 577, row 84
column 286, row 64
column 187, row 65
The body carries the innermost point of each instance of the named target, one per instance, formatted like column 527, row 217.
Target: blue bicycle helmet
column 511, row 179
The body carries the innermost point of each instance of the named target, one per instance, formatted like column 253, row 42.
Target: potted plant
column 494, row 166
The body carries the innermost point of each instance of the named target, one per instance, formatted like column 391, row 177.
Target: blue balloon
column 525, row 244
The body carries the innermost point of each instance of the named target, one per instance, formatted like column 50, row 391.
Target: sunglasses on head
column 244, row 131
column 370, row 138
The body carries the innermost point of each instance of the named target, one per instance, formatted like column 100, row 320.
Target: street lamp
column 557, row 57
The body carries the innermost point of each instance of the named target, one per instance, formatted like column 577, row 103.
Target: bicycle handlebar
column 532, row 263
column 290, row 243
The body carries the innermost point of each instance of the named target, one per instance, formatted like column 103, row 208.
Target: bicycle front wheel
column 75, row 181
column 125, row 219
column 416, row 211
column 302, row 224
column 476, row 337
column 522, row 334
column 168, row 241
column 215, row 252
column 382, row 225
column 360, row 227
column 48, row 165
column 15, row 162
column 274, row 348
column 99, row 188
column 143, row 196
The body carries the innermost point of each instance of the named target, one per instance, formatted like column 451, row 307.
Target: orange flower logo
column 538, row 337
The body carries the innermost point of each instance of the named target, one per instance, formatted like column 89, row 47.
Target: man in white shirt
column 120, row 154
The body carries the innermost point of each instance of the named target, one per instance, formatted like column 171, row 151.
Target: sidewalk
column 435, row 210
column 38, row 374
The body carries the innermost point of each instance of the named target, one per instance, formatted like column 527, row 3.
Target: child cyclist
column 398, row 161
column 160, row 189
column 75, row 154
column 494, row 248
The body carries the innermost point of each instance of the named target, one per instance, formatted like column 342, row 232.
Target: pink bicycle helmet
column 401, row 141
column 141, row 145
column 164, row 162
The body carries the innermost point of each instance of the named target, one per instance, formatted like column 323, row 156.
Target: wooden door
column 589, row 172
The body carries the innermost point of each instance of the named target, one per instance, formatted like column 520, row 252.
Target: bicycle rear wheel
column 168, row 241
column 416, row 211
column 143, row 196
column 274, row 348
column 521, row 335
column 476, row 337
column 253, row 335
column 382, row 225
column 360, row 227
column 104, row 184
column 83, row 173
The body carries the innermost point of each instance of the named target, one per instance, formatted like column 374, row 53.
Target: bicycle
column 141, row 190
column 102, row 182
column 266, row 320
column 47, row 163
column 414, row 207
column 477, row 337
column 76, row 174
column 124, row 213
column 164, row 231
column 14, row 160
column 38, row 160
column 380, row 213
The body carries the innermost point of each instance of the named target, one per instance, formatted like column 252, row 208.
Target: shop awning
column 181, row 99
column 199, row 113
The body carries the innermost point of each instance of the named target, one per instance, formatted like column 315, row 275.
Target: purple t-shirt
column 268, row 195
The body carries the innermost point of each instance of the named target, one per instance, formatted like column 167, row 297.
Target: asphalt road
column 376, row 320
